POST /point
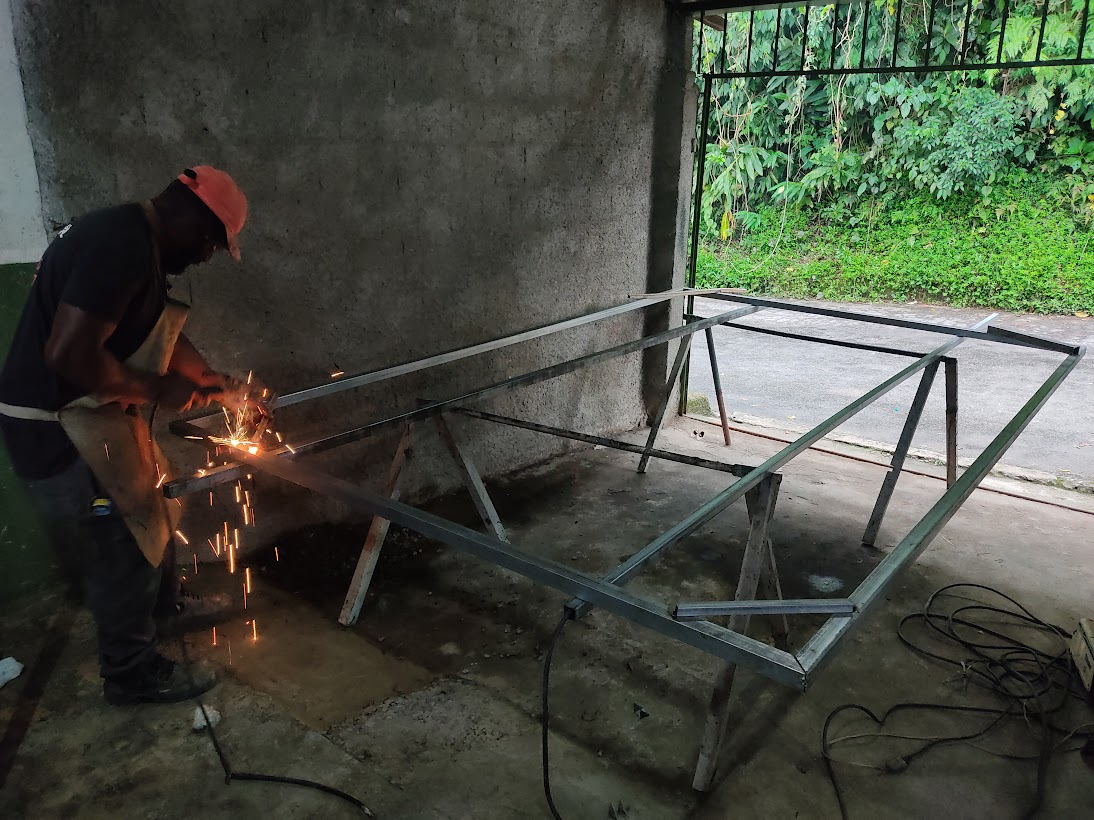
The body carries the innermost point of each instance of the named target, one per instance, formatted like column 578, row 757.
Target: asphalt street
column 799, row 384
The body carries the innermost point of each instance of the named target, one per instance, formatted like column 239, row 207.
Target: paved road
column 801, row 384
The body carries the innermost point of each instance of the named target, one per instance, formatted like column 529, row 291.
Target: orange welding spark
column 277, row 557
column 244, row 596
column 253, row 451
column 106, row 449
column 163, row 478
column 250, row 375
column 214, row 636
column 289, row 448
column 247, row 576
column 229, row 651
column 195, row 438
column 195, row 563
column 337, row 374
column 232, row 558
column 265, row 392
column 225, row 532
column 235, row 539
column 278, row 436
column 210, row 498
column 250, row 477
column 181, row 537
column 247, row 497
column 252, row 516
column 177, row 501
column 237, row 492
column 202, row 472
column 254, row 631
column 215, row 549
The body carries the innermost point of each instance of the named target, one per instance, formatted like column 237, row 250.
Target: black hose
column 545, row 714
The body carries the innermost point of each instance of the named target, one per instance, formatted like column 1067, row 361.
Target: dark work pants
column 124, row 592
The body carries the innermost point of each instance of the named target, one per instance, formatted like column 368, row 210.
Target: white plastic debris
column 199, row 718
column 9, row 670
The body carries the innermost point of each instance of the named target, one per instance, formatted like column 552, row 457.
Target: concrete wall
column 22, row 237
column 422, row 176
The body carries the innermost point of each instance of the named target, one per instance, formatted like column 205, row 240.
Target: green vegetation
column 974, row 188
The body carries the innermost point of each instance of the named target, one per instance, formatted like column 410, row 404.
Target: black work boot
column 194, row 612
column 159, row 681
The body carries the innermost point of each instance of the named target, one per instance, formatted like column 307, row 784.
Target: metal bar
column 748, row 50
column 795, row 606
column 761, row 507
column 800, row 337
column 965, row 34
column 815, row 73
column 183, row 486
column 374, row 541
column 819, row 648
column 930, row 34
column 633, row 565
column 1032, row 341
column 896, row 31
column 374, row 376
column 472, row 480
column 805, row 35
column 600, row 441
column 951, row 422
column 699, row 56
column 997, row 335
column 716, row 374
column 911, row 424
column 697, row 207
column 1041, row 32
column 710, row 638
column 778, row 35
column 1082, row 30
column 725, row 32
column 1003, row 33
column 835, row 32
column 771, row 588
column 659, row 415
column 865, row 32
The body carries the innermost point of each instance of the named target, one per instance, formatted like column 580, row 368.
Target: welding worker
column 100, row 341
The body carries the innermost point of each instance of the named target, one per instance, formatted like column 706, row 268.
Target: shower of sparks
column 163, row 478
column 181, row 537
column 247, row 576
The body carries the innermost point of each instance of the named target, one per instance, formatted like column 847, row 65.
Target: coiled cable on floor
column 1033, row 684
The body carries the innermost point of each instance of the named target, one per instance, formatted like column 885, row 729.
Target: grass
column 1025, row 253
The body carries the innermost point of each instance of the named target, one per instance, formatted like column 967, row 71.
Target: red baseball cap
column 222, row 196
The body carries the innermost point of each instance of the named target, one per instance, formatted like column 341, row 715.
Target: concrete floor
column 800, row 383
column 429, row 707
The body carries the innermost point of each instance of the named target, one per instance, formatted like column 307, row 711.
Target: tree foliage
column 854, row 140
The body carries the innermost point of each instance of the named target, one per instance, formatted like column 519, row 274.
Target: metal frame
column 758, row 484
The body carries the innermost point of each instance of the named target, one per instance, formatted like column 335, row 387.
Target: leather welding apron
column 117, row 444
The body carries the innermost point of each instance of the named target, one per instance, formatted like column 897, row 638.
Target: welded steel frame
column 608, row 592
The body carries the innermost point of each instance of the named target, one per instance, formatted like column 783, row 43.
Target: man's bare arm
column 188, row 362
column 76, row 350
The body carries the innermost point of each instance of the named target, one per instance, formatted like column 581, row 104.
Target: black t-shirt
column 105, row 264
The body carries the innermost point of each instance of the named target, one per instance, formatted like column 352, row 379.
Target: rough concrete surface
column 421, row 178
column 22, row 237
column 437, row 716
column 797, row 385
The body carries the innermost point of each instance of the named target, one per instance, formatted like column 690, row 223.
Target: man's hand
column 179, row 393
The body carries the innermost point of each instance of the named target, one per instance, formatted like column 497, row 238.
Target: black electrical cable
column 225, row 764
column 1030, row 681
column 545, row 713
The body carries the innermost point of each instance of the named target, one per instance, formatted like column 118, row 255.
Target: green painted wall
column 26, row 560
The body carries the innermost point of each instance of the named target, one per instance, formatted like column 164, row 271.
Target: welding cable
column 1033, row 684
column 545, row 712
column 229, row 774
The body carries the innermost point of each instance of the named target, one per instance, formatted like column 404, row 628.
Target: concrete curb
column 1065, row 481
